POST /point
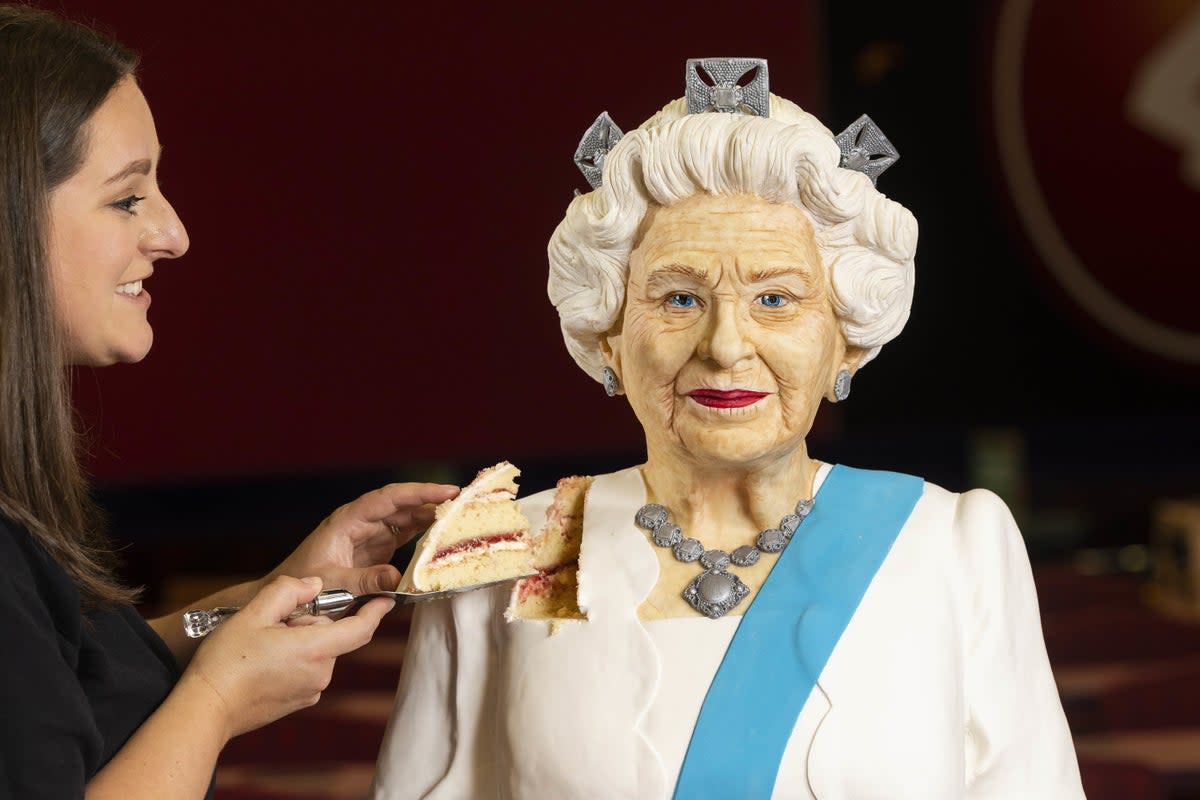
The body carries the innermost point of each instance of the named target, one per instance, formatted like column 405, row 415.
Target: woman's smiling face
column 729, row 339
column 109, row 223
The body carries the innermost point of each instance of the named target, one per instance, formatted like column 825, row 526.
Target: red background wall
column 369, row 190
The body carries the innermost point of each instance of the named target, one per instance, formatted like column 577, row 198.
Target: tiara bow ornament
column 597, row 142
column 865, row 148
column 721, row 84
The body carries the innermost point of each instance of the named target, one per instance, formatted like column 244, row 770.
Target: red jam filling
column 541, row 583
column 478, row 543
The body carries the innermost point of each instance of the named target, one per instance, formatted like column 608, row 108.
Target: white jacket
column 938, row 689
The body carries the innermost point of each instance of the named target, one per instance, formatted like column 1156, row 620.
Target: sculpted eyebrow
column 669, row 271
column 139, row 167
column 772, row 273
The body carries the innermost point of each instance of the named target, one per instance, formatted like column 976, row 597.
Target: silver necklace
column 716, row 590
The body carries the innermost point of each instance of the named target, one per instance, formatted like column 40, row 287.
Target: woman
column 103, row 707
column 728, row 273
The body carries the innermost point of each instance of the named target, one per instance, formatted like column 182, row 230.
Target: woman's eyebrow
column 138, row 167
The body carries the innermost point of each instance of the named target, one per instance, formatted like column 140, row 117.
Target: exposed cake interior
column 553, row 592
column 478, row 537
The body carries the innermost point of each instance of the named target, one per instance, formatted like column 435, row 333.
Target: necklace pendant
column 714, row 592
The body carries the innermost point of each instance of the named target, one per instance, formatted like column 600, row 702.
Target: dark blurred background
column 369, row 188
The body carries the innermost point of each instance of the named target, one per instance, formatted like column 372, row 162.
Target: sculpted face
column 728, row 340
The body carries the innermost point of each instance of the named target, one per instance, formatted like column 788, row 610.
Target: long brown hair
column 54, row 73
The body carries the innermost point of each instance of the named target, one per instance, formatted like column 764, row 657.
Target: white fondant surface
column 939, row 688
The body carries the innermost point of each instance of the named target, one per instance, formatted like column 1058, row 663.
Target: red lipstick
column 727, row 398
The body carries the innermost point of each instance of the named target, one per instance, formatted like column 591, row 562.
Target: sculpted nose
column 725, row 342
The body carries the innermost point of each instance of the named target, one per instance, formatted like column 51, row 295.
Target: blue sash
column 789, row 631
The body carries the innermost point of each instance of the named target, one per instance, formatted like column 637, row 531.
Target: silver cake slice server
column 199, row 623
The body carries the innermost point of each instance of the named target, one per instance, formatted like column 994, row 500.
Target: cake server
column 198, row 623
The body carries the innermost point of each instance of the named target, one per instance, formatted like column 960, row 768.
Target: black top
column 73, row 687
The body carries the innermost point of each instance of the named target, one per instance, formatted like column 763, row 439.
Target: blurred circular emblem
column 1097, row 114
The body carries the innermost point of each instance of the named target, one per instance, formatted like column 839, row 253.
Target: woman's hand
column 352, row 547
column 349, row 550
column 256, row 668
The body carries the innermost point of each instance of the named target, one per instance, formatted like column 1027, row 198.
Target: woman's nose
column 164, row 235
column 725, row 342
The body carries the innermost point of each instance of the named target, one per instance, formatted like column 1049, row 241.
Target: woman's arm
column 251, row 671
column 169, row 627
column 350, row 549
column 174, row 752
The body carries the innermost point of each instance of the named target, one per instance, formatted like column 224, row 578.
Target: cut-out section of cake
column 478, row 537
column 553, row 593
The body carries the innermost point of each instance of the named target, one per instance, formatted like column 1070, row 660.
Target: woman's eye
column 681, row 301
column 127, row 204
column 773, row 300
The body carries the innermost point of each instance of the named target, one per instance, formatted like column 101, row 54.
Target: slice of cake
column 552, row 593
column 478, row 537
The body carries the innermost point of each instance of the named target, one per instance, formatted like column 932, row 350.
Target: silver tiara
column 594, row 147
column 865, row 148
column 722, row 85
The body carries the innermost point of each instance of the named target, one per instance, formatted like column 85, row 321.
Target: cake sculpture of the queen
column 747, row 621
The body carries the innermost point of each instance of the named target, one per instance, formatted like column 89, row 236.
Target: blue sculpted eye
column 681, row 301
column 773, row 300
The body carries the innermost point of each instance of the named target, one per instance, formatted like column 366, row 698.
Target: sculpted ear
column 610, row 349
column 853, row 358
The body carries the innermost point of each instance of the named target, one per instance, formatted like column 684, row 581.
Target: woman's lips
column 727, row 398
column 141, row 299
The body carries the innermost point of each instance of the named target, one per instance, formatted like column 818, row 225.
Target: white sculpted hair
column 865, row 240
